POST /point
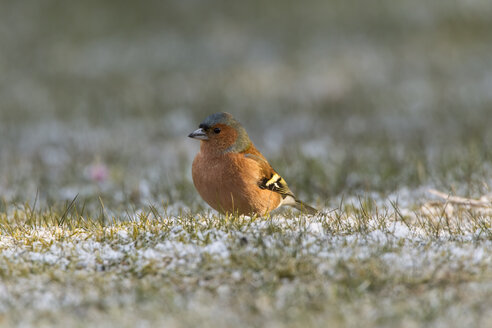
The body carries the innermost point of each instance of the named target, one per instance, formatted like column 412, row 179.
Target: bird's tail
column 305, row 208
column 291, row 200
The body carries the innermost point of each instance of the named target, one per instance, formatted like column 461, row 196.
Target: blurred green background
column 343, row 97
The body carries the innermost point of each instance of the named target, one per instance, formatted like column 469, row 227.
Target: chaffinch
column 232, row 176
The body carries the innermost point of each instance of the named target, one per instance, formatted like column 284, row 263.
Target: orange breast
column 229, row 184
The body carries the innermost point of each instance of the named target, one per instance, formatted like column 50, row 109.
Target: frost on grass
column 360, row 262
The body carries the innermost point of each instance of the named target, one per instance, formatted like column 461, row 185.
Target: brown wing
column 270, row 179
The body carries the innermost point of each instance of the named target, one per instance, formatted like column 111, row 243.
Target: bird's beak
column 198, row 134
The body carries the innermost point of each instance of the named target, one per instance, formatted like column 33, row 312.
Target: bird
column 231, row 174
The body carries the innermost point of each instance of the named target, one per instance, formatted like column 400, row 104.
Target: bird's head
column 220, row 132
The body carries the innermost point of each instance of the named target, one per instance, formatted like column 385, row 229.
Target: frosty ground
column 383, row 266
column 362, row 109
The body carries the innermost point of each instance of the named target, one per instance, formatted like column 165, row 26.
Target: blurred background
column 344, row 97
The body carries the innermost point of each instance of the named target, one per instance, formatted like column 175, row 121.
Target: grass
column 360, row 262
column 361, row 108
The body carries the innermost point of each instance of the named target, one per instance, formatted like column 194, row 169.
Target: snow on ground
column 176, row 247
column 51, row 269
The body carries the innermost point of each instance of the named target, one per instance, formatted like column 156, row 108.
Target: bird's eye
column 217, row 130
